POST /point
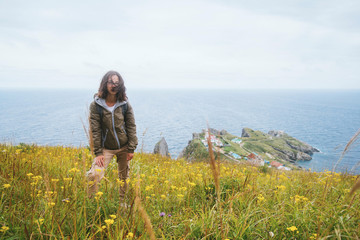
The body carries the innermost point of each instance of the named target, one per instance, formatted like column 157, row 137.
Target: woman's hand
column 130, row 156
column 100, row 161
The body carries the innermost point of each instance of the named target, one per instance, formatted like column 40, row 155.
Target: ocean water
column 324, row 119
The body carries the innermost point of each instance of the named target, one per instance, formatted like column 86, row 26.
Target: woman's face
column 112, row 84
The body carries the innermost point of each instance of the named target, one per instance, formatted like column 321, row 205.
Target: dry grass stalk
column 214, row 167
column 355, row 187
column 88, row 132
column 143, row 212
column 347, row 148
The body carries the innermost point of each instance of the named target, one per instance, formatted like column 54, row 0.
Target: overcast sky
column 181, row 44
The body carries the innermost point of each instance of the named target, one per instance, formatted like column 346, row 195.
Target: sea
column 325, row 119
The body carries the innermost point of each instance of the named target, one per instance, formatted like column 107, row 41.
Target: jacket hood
column 102, row 103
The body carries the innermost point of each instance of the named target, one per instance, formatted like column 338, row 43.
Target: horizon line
column 180, row 89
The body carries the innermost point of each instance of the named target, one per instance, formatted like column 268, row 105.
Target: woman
column 113, row 129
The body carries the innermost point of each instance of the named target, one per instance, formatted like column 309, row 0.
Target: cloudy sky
column 181, row 44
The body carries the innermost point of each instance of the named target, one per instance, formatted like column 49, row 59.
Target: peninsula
column 275, row 148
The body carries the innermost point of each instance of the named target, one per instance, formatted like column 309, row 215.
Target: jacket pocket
column 122, row 138
column 123, row 128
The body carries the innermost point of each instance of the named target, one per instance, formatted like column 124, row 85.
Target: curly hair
column 120, row 89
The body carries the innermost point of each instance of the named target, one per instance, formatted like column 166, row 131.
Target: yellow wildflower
column 163, row 196
column 99, row 194
column 51, row 204
column 261, row 198
column 130, row 235
column 113, row 216
column 281, row 187
column 29, row 174
column 121, row 182
column 74, row 170
column 40, row 221
column 292, row 228
column 54, row 180
column 191, row 184
column 4, row 229
column 37, row 178
column 298, row 198
column 109, row 221
column 314, row 236
column 6, row 185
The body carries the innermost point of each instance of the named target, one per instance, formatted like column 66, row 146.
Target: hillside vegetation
column 43, row 196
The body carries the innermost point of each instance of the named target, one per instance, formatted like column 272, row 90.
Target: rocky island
column 275, row 148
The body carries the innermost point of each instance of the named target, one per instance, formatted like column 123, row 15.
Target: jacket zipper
column 113, row 123
column 105, row 137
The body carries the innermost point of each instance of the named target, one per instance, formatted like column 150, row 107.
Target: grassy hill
column 43, row 196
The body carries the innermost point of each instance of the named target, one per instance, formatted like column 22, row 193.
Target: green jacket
column 116, row 130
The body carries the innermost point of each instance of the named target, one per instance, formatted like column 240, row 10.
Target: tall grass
column 347, row 148
column 43, row 196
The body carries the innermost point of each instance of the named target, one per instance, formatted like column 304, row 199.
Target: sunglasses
column 117, row 83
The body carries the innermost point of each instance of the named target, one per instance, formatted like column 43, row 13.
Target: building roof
column 251, row 156
column 275, row 164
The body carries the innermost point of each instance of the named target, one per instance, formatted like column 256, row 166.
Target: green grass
column 237, row 149
column 196, row 151
column 254, row 202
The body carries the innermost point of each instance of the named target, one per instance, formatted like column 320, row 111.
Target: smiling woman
column 113, row 129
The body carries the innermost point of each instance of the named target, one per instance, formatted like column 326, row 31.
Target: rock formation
column 161, row 148
column 245, row 133
column 276, row 133
column 223, row 132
